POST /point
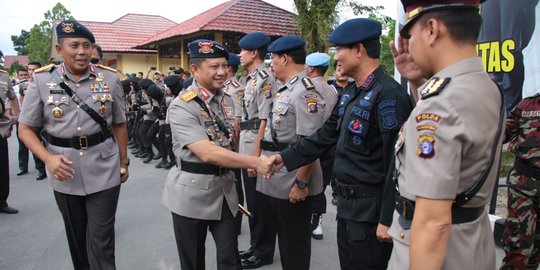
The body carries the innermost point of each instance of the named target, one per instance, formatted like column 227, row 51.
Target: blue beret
column 234, row 60
column 187, row 83
column 254, row 41
column 318, row 59
column 171, row 80
column 286, row 44
column 355, row 31
column 203, row 48
column 73, row 29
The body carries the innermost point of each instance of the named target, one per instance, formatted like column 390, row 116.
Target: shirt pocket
column 281, row 116
column 356, row 139
column 102, row 103
column 109, row 149
column 198, row 181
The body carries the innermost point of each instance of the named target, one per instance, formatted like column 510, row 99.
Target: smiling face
column 76, row 53
column 211, row 73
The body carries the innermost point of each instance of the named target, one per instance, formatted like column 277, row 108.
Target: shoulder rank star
column 434, row 87
column 426, row 148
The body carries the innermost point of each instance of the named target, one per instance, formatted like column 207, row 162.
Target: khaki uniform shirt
column 98, row 167
column 296, row 111
column 199, row 196
column 6, row 89
column 236, row 90
column 260, row 89
column 443, row 149
column 329, row 94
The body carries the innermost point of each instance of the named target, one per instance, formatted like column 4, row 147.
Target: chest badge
column 102, row 108
column 356, row 127
column 57, row 112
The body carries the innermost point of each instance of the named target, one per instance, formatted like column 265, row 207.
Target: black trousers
column 143, row 131
column 190, row 237
column 4, row 172
column 358, row 247
column 89, row 222
column 152, row 136
column 250, row 184
column 291, row 223
column 23, row 155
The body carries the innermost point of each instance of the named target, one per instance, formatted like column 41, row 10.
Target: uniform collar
column 205, row 94
column 462, row 67
column 91, row 70
column 371, row 79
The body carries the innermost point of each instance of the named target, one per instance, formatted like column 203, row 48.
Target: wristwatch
column 301, row 184
column 125, row 161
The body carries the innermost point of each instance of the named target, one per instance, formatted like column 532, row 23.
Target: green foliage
column 315, row 21
column 38, row 42
column 388, row 30
column 19, row 42
column 14, row 68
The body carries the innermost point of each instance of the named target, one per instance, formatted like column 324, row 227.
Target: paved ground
column 35, row 239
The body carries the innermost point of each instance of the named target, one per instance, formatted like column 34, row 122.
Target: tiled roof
column 242, row 16
column 9, row 59
column 126, row 32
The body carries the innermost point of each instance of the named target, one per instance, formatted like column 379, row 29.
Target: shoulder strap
column 470, row 192
column 93, row 114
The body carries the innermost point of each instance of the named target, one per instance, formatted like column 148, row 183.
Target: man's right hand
column 59, row 165
column 404, row 61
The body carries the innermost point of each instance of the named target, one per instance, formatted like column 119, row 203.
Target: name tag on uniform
column 57, row 92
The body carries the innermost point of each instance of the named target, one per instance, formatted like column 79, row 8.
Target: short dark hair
column 35, row 63
column 22, row 69
column 196, row 61
column 321, row 70
column 373, row 47
column 463, row 25
column 99, row 51
column 262, row 52
column 234, row 68
column 297, row 55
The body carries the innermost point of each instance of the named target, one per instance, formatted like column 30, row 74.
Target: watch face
column 301, row 184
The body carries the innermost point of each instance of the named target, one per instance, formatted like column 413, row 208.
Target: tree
column 388, row 30
column 19, row 42
column 315, row 20
column 39, row 40
column 14, row 68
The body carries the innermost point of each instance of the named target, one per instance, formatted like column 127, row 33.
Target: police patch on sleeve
column 312, row 106
column 388, row 114
column 426, row 146
column 267, row 90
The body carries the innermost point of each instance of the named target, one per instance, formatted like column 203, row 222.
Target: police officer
column 316, row 66
column 363, row 127
column 446, row 152
column 81, row 107
column 200, row 191
column 259, row 92
column 520, row 241
column 174, row 86
column 298, row 111
column 8, row 116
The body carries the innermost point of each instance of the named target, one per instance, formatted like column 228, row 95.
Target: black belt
column 522, row 167
column 82, row 142
column 270, row 146
column 253, row 124
column 201, row 168
column 405, row 208
column 358, row 190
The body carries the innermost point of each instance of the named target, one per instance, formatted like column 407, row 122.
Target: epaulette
column 263, row 74
column 44, row 68
column 235, row 84
column 187, row 96
column 3, row 71
column 107, row 68
column 434, row 87
column 308, row 84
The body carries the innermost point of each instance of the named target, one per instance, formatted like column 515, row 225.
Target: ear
column 58, row 49
column 432, row 30
column 360, row 50
column 194, row 68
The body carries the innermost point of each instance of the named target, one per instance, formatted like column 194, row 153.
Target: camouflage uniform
column 520, row 238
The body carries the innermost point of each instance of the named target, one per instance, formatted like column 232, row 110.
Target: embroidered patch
column 263, row 74
column 267, row 90
column 293, row 80
column 239, row 95
column 369, row 95
column 341, row 111
column 204, row 94
column 364, row 103
column 205, row 47
column 357, row 140
column 364, row 114
column 312, row 106
column 427, row 117
column 426, row 127
column 311, row 96
column 308, row 84
column 389, row 120
column 235, row 84
column 369, row 80
column 344, row 99
column 356, row 127
column 387, row 103
column 426, row 146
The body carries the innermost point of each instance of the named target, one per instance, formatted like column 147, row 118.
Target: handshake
column 267, row 166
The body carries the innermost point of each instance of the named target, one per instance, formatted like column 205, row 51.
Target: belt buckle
column 83, row 142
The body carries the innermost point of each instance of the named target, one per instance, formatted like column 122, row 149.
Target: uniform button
column 81, row 154
column 193, row 181
column 402, row 235
column 266, row 129
column 79, row 129
column 252, row 139
column 78, row 85
column 78, row 107
column 278, row 94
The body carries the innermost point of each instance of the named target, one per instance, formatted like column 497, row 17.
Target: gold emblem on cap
column 57, row 112
column 67, row 28
column 205, row 47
